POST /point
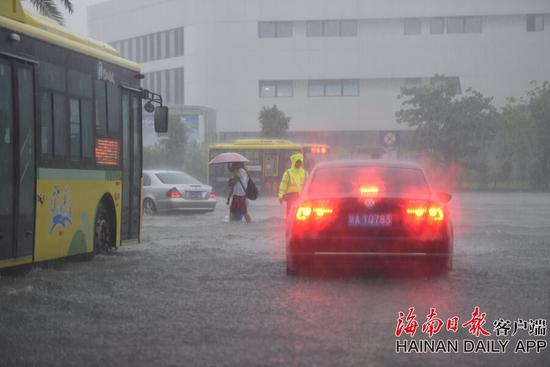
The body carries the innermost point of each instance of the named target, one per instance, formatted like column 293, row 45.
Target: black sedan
column 379, row 210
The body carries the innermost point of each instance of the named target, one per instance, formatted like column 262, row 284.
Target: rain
column 278, row 183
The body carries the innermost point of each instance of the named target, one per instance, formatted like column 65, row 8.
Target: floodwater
column 201, row 291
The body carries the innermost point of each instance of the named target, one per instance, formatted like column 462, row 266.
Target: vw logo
column 369, row 203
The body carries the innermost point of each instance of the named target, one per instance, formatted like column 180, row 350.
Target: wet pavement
column 201, row 291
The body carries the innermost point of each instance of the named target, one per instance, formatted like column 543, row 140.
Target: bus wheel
column 149, row 208
column 103, row 235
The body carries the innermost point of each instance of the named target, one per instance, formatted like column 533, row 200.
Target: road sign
column 389, row 138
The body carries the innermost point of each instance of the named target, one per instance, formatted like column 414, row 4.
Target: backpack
column 251, row 191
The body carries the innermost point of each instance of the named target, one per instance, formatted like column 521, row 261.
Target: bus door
column 131, row 164
column 17, row 166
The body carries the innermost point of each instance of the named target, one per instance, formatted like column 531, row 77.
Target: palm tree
column 49, row 8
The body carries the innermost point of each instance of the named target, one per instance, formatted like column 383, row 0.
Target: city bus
column 268, row 161
column 70, row 142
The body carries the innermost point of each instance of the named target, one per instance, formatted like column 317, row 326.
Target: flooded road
column 200, row 291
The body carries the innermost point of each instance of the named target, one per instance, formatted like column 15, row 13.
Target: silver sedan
column 175, row 191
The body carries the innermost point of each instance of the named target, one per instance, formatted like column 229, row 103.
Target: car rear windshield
column 368, row 179
column 177, row 178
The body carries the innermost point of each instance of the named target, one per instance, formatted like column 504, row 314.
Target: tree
column 523, row 134
column 274, row 122
column 515, row 139
column 50, row 9
column 450, row 127
column 539, row 105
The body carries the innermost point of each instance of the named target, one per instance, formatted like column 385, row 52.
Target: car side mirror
column 443, row 197
column 161, row 119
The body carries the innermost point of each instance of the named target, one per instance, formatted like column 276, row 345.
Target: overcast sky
column 77, row 21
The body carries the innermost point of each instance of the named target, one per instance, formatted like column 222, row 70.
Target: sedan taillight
column 312, row 210
column 173, row 193
column 425, row 212
column 212, row 195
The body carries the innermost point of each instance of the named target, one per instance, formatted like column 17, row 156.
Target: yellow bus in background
column 269, row 158
column 70, row 142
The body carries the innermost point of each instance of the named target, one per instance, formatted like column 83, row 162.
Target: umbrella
column 229, row 157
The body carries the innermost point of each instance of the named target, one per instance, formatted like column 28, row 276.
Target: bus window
column 87, row 129
column 113, row 107
column 74, row 113
column 46, row 141
column 59, row 131
column 100, row 107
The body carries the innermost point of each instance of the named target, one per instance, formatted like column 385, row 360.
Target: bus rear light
column 173, row 193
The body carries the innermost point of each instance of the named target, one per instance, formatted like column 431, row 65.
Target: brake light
column 433, row 212
column 212, row 195
column 418, row 212
column 313, row 210
column 369, row 190
column 436, row 213
column 173, row 193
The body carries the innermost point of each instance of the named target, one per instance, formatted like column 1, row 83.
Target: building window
column 473, row 24
column 275, row 29
column 276, row 88
column 333, row 88
column 350, row 88
column 455, row 25
column 412, row 26
column 331, row 28
column 348, row 28
column 156, row 46
column 437, row 25
column 535, row 23
column 314, row 28
column 168, row 83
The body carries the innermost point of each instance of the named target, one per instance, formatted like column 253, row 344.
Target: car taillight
column 436, row 213
column 212, row 195
column 313, row 210
column 431, row 212
column 173, row 193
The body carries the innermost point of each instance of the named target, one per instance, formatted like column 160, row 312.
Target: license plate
column 194, row 194
column 370, row 220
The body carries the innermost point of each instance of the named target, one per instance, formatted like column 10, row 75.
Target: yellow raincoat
column 293, row 178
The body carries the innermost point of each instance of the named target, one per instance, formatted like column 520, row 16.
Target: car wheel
column 103, row 234
column 149, row 208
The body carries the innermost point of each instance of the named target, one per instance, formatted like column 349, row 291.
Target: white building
column 329, row 64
